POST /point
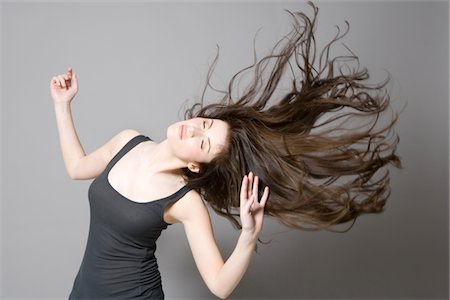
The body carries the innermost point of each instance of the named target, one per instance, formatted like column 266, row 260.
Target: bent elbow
column 71, row 176
column 76, row 178
column 74, row 175
column 222, row 294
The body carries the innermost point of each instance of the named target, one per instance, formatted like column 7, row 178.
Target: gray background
column 137, row 65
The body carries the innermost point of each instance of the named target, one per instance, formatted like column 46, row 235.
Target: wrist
column 62, row 107
column 61, row 103
column 248, row 237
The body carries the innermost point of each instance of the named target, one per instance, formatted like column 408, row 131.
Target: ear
column 193, row 167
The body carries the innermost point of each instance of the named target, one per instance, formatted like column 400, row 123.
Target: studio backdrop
column 140, row 64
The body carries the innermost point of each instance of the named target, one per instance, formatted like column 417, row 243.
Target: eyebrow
column 209, row 141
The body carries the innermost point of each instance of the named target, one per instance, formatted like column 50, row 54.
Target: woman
column 229, row 154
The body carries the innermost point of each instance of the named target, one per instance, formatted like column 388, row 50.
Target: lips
column 181, row 131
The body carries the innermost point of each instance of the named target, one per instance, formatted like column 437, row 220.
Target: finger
column 56, row 82
column 67, row 81
column 61, row 80
column 255, row 188
column 246, row 206
column 264, row 197
column 69, row 73
column 250, row 185
column 74, row 81
column 244, row 187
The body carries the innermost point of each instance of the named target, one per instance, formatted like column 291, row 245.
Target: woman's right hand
column 64, row 87
column 252, row 209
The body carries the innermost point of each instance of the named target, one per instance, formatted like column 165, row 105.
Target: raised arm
column 222, row 277
column 63, row 89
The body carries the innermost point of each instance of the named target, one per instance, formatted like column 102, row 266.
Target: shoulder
column 90, row 166
column 127, row 134
column 121, row 139
column 190, row 208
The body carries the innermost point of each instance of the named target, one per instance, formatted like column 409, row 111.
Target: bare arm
column 221, row 277
column 63, row 89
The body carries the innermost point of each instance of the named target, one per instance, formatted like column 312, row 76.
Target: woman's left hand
column 252, row 210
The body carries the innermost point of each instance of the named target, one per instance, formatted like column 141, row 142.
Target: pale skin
column 152, row 171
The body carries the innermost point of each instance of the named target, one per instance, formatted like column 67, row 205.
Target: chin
column 169, row 132
column 172, row 132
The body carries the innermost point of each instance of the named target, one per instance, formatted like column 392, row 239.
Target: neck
column 159, row 159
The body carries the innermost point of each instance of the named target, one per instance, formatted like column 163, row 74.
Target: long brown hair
column 320, row 172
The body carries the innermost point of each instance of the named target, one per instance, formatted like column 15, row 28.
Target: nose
column 190, row 131
column 193, row 131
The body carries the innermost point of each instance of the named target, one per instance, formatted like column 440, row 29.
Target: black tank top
column 119, row 261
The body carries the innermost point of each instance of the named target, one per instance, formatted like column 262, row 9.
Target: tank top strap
column 172, row 198
column 125, row 149
column 162, row 203
column 178, row 194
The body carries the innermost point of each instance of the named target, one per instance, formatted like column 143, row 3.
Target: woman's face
column 197, row 140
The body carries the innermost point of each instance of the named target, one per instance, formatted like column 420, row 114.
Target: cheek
column 190, row 151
